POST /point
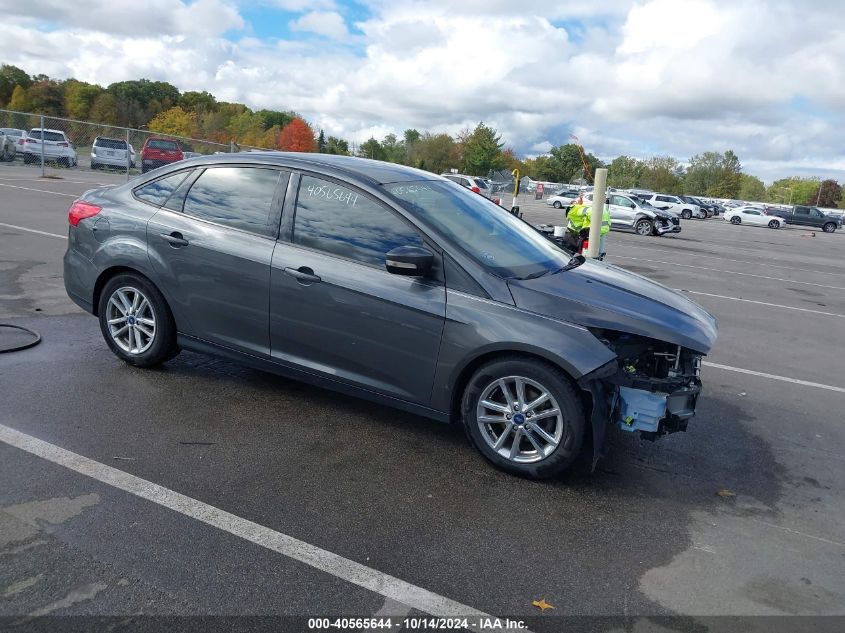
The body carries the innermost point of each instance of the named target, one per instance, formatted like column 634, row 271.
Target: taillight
column 80, row 210
column 585, row 245
column 21, row 142
column 475, row 189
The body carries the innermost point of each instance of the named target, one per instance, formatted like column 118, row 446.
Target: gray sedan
column 391, row 284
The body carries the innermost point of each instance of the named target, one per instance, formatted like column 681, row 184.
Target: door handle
column 303, row 275
column 176, row 240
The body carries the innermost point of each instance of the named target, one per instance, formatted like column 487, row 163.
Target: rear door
column 336, row 311
column 622, row 211
column 211, row 245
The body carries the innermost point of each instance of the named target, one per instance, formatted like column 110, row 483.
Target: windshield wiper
column 576, row 261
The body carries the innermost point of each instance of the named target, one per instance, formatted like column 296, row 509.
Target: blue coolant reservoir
column 640, row 410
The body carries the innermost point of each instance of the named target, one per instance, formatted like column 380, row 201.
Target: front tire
column 774, row 224
column 556, row 204
column 136, row 321
column 830, row 227
column 643, row 227
column 736, row 220
column 524, row 416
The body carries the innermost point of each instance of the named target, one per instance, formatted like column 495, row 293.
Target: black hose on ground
column 16, row 348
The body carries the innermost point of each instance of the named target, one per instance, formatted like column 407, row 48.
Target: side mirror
column 410, row 261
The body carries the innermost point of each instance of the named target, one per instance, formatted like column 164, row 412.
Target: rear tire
column 830, row 227
column 547, row 442
column 556, row 204
column 686, row 214
column 135, row 300
column 736, row 220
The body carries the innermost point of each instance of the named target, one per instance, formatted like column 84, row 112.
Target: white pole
column 128, row 155
column 42, row 145
column 599, row 196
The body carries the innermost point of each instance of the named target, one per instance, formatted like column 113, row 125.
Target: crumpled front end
column 655, row 387
column 652, row 388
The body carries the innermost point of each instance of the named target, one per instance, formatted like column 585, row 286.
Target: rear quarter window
column 158, row 191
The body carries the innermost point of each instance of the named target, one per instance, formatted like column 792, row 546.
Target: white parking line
column 729, row 272
column 55, row 193
column 680, row 251
column 23, row 228
column 762, row 303
column 318, row 558
column 805, row 383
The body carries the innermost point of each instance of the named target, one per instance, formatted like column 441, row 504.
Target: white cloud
column 327, row 23
column 110, row 17
column 763, row 77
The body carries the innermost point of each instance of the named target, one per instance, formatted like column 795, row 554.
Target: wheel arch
column 466, row 372
column 109, row 273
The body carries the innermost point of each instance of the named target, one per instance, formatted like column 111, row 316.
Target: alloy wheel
column 131, row 320
column 643, row 227
column 520, row 419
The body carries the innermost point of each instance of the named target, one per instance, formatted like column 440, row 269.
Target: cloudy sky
column 765, row 78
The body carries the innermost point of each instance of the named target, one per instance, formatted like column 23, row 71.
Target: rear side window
column 240, row 197
column 159, row 191
column 163, row 144
column 338, row 220
column 480, row 183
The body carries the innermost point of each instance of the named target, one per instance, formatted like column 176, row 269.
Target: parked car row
column 106, row 152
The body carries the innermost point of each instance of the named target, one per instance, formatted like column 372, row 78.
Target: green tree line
column 161, row 107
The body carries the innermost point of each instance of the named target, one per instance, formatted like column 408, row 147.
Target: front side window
column 240, row 197
column 341, row 221
column 504, row 244
column 158, row 191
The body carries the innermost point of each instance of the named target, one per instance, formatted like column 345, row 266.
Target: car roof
column 46, row 129
column 374, row 171
column 109, row 138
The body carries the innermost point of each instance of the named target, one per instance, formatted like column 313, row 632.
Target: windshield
column 504, row 244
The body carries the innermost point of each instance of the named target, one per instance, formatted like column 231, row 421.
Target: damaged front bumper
column 653, row 392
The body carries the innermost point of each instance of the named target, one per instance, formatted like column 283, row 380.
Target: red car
column 160, row 151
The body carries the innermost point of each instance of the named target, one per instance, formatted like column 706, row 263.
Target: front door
column 336, row 311
column 213, row 254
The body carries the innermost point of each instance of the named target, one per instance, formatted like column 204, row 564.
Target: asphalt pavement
column 742, row 515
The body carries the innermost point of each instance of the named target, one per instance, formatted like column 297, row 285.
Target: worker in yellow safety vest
column 579, row 220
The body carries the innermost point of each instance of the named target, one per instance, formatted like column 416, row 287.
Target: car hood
column 604, row 296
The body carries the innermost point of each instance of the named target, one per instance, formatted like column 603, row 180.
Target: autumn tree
column 297, row 136
column 828, row 195
column 19, row 100
column 79, row 98
column 175, row 122
column 46, row 97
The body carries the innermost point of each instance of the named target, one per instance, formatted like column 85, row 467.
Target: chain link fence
column 55, row 146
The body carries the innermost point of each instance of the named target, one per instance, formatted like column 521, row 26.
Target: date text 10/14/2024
column 418, row 624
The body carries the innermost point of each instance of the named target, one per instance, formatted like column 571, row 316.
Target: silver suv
column 111, row 152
